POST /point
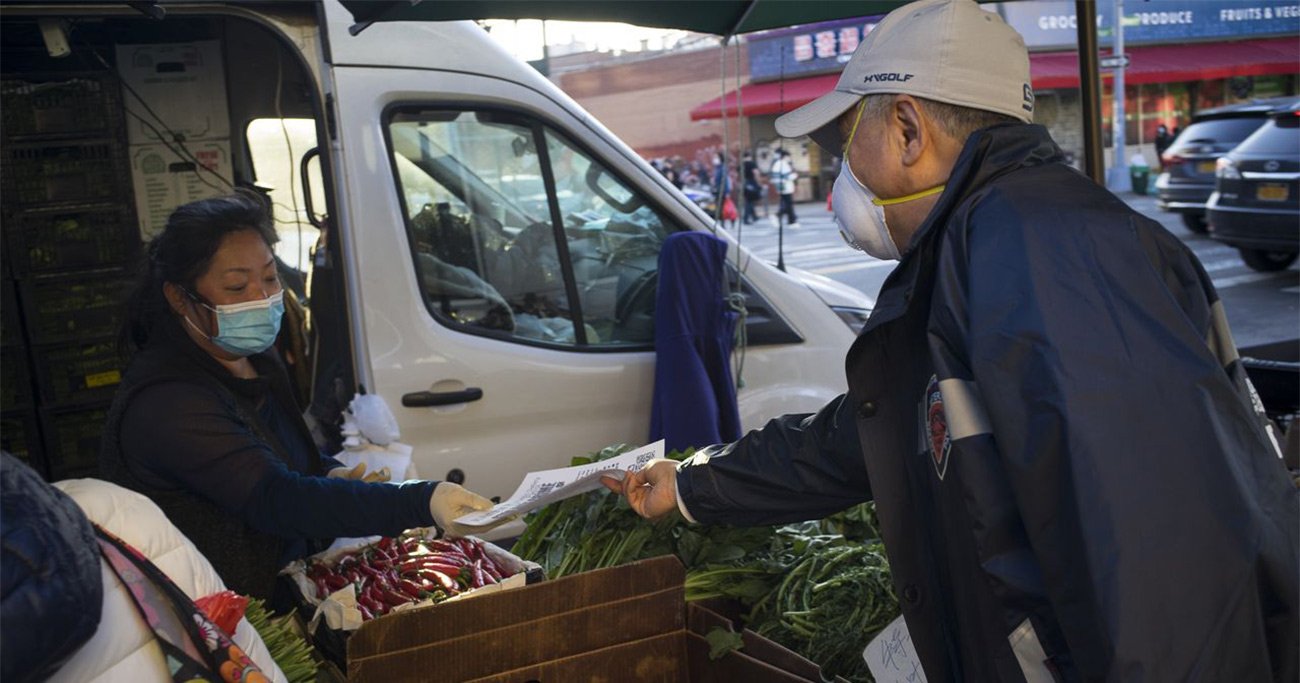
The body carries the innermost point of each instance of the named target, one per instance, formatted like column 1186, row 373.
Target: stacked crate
column 70, row 242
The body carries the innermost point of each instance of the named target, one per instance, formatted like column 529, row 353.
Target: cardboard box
column 164, row 180
column 183, row 83
column 629, row 624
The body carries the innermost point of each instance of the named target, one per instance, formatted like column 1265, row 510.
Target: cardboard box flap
column 521, row 628
column 659, row 659
column 702, row 620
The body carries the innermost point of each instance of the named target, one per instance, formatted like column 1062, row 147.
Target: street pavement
column 1262, row 308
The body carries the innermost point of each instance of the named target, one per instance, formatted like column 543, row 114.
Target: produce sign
column 399, row 572
column 821, row 588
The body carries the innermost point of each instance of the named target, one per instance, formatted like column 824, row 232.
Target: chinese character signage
column 1045, row 24
column 806, row 50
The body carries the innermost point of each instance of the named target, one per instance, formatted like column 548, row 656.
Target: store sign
column 1055, row 24
column 806, row 50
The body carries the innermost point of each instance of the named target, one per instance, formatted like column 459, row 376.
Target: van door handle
column 425, row 399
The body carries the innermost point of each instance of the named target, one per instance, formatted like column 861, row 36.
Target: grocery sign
column 825, row 47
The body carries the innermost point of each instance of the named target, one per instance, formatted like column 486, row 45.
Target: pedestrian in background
column 753, row 186
column 783, row 176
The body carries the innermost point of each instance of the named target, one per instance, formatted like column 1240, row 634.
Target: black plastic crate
column 72, row 440
column 19, row 436
column 74, row 308
column 71, row 238
column 11, row 331
column 60, row 104
column 78, row 373
column 15, row 379
column 78, row 172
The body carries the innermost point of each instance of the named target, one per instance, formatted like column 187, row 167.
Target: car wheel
column 1195, row 222
column 1267, row 261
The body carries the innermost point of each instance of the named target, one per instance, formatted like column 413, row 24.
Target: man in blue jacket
column 1072, row 479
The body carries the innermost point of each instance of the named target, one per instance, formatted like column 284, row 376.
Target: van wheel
column 1195, row 222
column 1267, row 261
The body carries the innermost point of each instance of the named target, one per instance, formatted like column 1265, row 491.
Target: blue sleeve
column 292, row 505
column 797, row 467
column 183, row 435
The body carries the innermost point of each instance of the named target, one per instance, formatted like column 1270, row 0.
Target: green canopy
column 719, row 17
column 724, row 18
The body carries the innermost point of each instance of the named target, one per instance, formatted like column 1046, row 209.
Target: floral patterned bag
column 195, row 649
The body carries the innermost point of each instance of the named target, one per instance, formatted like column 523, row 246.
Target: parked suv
column 1188, row 165
column 1256, row 202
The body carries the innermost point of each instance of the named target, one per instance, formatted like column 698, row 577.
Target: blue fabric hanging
column 694, row 396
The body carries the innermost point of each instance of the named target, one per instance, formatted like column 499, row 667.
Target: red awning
column 1052, row 70
column 1177, row 63
column 768, row 98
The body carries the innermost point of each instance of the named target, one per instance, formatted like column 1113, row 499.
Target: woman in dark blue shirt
column 205, row 423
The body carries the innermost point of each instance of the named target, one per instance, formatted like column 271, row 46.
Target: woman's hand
column 358, row 473
column 451, row 501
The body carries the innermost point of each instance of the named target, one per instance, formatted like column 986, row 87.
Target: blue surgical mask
column 246, row 328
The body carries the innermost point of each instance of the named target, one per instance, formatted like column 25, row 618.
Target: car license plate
column 1205, row 167
column 1272, row 192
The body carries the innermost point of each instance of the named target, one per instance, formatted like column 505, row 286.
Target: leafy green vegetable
column 820, row 588
column 722, row 641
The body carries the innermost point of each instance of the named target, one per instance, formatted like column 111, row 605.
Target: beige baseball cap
column 944, row 50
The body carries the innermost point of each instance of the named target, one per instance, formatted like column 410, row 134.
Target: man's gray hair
column 956, row 121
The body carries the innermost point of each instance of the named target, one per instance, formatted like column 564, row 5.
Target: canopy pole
column 1094, row 160
column 740, row 22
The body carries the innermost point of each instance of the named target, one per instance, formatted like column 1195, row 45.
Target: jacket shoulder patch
column 940, row 444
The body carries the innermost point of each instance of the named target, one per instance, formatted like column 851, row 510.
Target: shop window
column 518, row 233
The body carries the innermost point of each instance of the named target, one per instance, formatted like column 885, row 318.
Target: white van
column 486, row 250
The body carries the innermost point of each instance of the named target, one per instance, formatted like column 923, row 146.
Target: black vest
column 246, row 559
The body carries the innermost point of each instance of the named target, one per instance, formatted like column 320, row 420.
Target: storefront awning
column 776, row 97
column 1054, row 70
column 1177, row 63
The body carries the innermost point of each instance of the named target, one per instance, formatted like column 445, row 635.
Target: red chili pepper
column 335, row 581
column 445, row 546
column 369, row 603
column 322, row 589
column 490, row 568
column 444, row 581
column 394, row 599
column 409, row 588
column 366, row 615
column 384, row 543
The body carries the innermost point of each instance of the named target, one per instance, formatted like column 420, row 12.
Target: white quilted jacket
column 124, row 648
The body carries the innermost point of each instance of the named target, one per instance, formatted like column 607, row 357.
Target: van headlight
column 855, row 318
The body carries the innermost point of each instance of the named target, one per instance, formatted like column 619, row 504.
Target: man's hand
column 652, row 492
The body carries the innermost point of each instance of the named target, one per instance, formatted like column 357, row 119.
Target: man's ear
column 911, row 132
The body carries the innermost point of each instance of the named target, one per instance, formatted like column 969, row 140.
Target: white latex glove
column 359, row 473
column 449, row 501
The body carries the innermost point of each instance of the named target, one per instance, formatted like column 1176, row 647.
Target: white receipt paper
column 891, row 656
column 548, row 486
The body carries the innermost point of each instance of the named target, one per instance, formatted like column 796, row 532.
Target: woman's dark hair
column 183, row 251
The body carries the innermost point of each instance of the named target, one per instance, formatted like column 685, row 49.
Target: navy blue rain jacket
column 1073, row 480
column 694, row 400
column 52, row 593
